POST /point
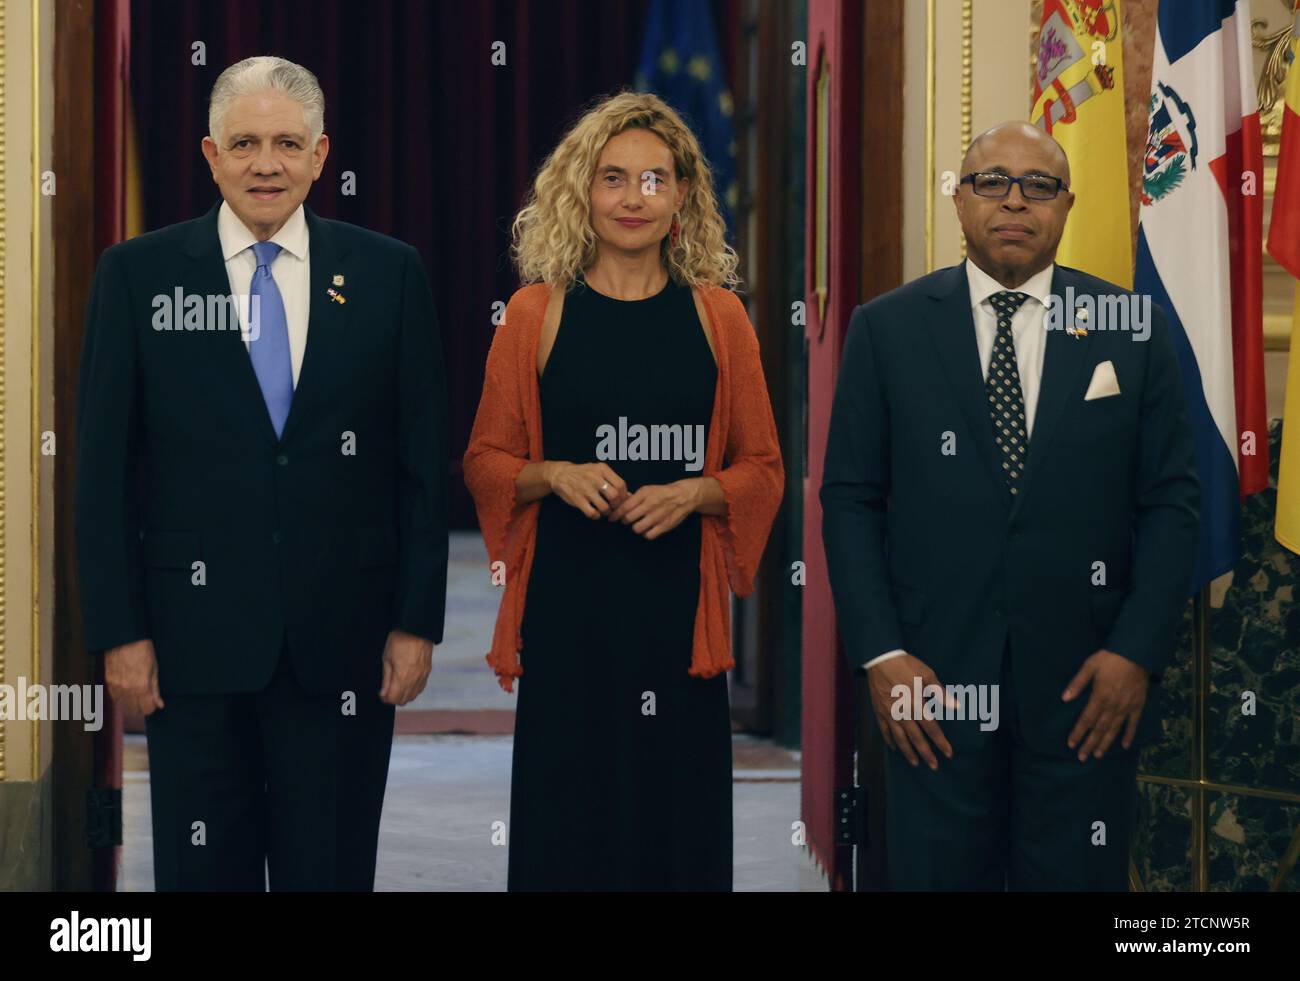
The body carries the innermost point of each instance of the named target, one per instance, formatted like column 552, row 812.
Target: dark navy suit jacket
column 931, row 553
column 328, row 537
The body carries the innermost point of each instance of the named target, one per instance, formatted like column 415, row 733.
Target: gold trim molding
column 967, row 31
column 1271, row 85
column 36, row 387
column 4, row 265
column 929, row 135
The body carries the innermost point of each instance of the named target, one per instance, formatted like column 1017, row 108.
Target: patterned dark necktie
column 1006, row 404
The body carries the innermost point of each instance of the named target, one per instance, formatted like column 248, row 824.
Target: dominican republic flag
column 1200, row 248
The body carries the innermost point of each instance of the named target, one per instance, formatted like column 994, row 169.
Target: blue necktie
column 269, row 339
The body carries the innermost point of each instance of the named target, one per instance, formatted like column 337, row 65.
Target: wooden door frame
column 78, row 756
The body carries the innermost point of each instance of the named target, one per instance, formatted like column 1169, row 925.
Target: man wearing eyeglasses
column 1010, row 520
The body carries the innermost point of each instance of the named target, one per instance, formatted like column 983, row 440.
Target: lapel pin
column 1080, row 328
column 338, row 279
column 336, row 296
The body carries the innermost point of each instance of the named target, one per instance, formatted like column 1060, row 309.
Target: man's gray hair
column 258, row 75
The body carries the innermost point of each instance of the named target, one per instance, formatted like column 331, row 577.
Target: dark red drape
column 834, row 33
column 442, row 142
column 112, row 80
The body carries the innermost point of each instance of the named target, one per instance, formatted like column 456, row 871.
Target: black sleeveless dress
column 622, row 762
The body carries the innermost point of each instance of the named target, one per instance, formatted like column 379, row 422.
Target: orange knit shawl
column 507, row 434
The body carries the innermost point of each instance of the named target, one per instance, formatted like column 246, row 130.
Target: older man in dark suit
column 1010, row 516
column 260, row 504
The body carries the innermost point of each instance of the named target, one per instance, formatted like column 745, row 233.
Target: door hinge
column 103, row 817
column 851, row 816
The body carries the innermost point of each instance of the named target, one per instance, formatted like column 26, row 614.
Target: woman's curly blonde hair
column 552, row 237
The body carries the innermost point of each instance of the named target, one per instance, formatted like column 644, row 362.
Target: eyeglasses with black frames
column 1034, row 187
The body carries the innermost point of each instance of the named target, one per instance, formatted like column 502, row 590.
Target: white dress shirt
column 291, row 270
column 1026, row 333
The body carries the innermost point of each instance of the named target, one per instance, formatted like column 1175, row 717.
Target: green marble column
column 1251, row 787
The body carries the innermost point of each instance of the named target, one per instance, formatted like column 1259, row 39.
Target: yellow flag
column 1284, row 245
column 1287, row 528
column 1284, row 228
column 1079, row 101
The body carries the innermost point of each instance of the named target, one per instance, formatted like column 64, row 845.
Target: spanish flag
column 1079, row 100
column 1284, row 246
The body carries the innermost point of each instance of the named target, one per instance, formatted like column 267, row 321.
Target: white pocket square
column 1103, row 384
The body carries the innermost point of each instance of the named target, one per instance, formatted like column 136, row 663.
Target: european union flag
column 680, row 63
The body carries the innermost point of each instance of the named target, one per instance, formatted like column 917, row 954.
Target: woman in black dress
column 622, row 777
column 622, row 754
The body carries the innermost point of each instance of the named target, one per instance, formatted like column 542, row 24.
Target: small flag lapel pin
column 1080, row 328
column 336, row 296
